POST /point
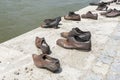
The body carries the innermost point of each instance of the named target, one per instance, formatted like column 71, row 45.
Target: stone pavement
column 102, row 63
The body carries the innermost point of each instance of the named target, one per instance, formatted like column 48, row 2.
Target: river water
column 20, row 16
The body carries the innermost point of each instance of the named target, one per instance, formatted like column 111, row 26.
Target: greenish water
column 20, row 16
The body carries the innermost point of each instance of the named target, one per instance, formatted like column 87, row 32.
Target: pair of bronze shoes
column 51, row 23
column 76, row 17
column 43, row 60
column 72, row 16
column 76, row 39
column 106, row 3
column 90, row 15
column 111, row 13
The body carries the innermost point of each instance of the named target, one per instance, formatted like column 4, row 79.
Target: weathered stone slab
column 16, row 61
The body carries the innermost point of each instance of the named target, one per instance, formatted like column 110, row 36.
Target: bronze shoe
column 48, row 21
column 41, row 44
column 74, row 43
column 46, row 62
column 72, row 16
column 113, row 13
column 90, row 15
column 104, row 13
column 102, row 7
column 93, row 4
column 117, row 1
column 84, row 35
column 51, row 23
